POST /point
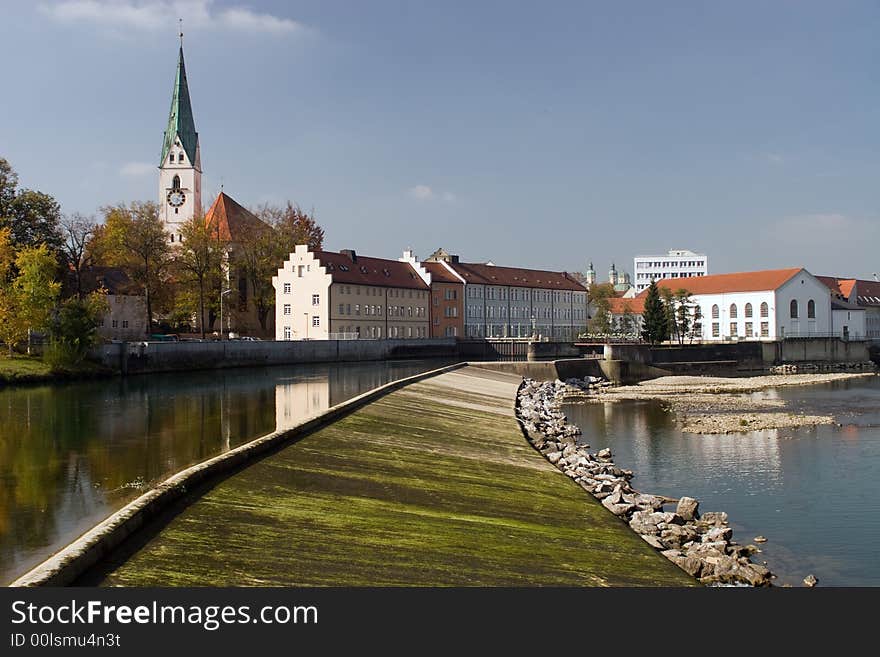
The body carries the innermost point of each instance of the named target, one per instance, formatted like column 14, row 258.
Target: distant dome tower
column 591, row 275
column 612, row 274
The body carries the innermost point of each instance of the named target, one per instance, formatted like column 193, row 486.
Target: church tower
column 180, row 171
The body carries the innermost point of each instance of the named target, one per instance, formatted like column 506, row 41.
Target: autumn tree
column 133, row 238
column 73, row 329
column 260, row 253
column 599, row 296
column 198, row 259
column 35, row 289
column 77, row 232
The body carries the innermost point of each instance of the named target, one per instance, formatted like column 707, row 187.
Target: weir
column 432, row 484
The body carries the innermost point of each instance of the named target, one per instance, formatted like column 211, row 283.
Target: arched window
column 794, row 309
column 748, row 310
column 765, row 310
column 811, row 309
column 733, row 311
column 715, row 311
column 175, row 184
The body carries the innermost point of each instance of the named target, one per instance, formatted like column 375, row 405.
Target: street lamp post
column 222, row 294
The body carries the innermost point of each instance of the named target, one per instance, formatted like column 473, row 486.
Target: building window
column 765, row 329
column 733, row 332
column 715, row 312
column 357, row 309
column 748, row 310
column 765, row 310
column 172, row 238
column 341, row 308
column 287, row 333
column 286, row 308
column 114, row 323
column 175, row 183
column 300, row 270
column 124, row 323
column 811, row 309
column 716, row 329
column 287, row 288
column 749, row 330
column 316, row 299
column 794, row 309
column 316, row 321
column 732, row 311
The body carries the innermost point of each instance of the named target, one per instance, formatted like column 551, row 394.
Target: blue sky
column 536, row 134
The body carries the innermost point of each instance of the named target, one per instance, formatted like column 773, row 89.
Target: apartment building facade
column 677, row 263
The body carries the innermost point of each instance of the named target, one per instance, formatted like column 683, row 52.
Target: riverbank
column 22, row 370
column 723, row 405
column 702, row 545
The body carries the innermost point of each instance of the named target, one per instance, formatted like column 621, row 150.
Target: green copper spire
column 180, row 119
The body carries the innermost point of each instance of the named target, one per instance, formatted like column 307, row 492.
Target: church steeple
column 181, row 124
column 180, row 171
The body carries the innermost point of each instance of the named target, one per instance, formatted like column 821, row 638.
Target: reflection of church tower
column 612, row 275
column 180, row 171
column 591, row 275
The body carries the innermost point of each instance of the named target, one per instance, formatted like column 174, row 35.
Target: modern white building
column 510, row 302
column 322, row 295
column 677, row 263
column 757, row 305
column 852, row 294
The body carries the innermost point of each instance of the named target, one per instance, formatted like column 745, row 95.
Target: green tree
column 198, row 258
column 74, row 329
column 134, row 239
column 13, row 328
column 655, row 321
column 32, row 216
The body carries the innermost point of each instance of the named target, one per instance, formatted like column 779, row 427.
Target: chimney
column 453, row 258
column 350, row 254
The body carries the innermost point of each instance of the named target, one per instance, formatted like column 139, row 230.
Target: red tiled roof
column 516, row 277
column 832, row 284
column 620, row 306
column 867, row 292
column 439, row 273
column 234, row 221
column 748, row 281
column 370, row 271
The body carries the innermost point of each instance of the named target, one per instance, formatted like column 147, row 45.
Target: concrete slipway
column 430, row 485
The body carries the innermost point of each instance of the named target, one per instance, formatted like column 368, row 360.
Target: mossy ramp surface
column 431, row 485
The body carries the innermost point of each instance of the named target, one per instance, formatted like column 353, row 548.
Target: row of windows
column 114, row 323
column 371, row 291
column 682, row 274
column 716, row 311
column 734, row 330
column 179, row 157
column 669, row 264
column 518, row 294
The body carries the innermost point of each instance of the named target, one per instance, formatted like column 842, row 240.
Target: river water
column 812, row 491
column 71, row 454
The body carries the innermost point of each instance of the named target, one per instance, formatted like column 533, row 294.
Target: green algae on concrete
column 432, row 485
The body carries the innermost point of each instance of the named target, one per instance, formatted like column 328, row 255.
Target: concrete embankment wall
column 817, row 350
column 143, row 357
column 64, row 567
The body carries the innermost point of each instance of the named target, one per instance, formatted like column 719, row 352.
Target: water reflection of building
column 297, row 400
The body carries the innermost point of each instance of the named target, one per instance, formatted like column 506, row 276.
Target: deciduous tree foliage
column 600, row 296
column 32, row 216
column 77, row 232
column 198, row 259
column 133, row 238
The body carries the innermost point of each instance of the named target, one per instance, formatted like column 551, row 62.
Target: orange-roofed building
column 856, row 294
column 770, row 304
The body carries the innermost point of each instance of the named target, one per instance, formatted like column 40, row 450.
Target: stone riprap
column 700, row 544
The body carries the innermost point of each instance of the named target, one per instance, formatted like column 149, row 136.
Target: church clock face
column 176, row 198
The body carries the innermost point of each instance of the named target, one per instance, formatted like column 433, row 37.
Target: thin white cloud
column 161, row 14
column 137, row 169
column 421, row 193
column 426, row 193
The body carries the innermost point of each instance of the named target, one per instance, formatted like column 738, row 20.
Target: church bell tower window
column 175, row 184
